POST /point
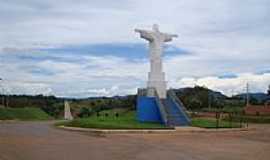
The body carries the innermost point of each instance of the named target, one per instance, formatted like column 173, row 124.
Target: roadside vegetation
column 23, row 114
column 213, row 123
column 54, row 106
column 198, row 100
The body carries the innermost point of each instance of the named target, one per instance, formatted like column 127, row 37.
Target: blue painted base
column 147, row 110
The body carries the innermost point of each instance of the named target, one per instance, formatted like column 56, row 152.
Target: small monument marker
column 68, row 115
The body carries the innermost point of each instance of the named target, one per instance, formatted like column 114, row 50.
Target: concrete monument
column 156, row 77
column 68, row 115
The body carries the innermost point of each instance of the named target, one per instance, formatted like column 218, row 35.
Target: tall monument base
column 147, row 110
column 156, row 78
column 160, row 87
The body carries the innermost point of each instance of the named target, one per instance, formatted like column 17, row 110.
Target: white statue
column 68, row 115
column 156, row 77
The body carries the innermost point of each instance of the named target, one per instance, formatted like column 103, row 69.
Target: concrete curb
column 118, row 131
column 197, row 129
column 153, row 131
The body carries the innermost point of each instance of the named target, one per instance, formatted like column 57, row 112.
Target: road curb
column 118, row 131
column 197, row 129
column 153, row 131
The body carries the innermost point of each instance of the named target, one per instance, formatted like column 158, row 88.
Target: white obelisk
column 68, row 115
column 156, row 39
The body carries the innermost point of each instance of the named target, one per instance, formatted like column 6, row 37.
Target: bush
column 54, row 110
column 85, row 112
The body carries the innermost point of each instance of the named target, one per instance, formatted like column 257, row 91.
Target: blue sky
column 89, row 48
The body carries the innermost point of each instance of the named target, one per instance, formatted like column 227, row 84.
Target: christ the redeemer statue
column 156, row 77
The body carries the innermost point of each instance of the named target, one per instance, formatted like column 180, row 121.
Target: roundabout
column 43, row 141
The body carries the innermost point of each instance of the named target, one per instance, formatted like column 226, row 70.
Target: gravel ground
column 42, row 141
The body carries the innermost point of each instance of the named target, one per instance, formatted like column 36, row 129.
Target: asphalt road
column 41, row 141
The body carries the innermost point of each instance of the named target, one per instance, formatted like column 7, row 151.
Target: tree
column 253, row 101
column 194, row 103
column 85, row 112
column 268, row 92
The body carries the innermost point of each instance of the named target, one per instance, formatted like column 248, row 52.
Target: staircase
column 175, row 111
column 172, row 111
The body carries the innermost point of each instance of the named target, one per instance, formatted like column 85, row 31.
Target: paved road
column 41, row 141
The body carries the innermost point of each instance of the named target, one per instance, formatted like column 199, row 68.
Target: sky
column 89, row 48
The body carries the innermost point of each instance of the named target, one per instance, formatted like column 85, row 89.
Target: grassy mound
column 108, row 120
column 23, row 114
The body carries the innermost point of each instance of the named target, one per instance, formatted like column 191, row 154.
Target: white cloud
column 15, row 87
column 229, row 86
column 224, row 36
column 108, row 76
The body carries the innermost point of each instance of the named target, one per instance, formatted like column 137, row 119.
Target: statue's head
column 155, row 28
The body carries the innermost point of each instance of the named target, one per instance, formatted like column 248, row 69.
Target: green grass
column 23, row 114
column 251, row 119
column 126, row 120
column 211, row 123
column 226, row 109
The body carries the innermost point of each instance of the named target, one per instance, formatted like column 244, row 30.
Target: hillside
column 23, row 114
column 194, row 98
column 255, row 98
column 199, row 97
column 54, row 106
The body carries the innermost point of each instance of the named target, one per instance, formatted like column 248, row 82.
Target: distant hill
column 198, row 89
column 200, row 97
column 255, row 97
column 54, row 106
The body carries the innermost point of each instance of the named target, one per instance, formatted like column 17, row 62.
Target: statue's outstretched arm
column 145, row 34
column 169, row 37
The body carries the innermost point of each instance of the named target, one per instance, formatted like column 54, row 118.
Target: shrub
column 85, row 112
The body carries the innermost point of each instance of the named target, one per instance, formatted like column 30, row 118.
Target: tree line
column 54, row 106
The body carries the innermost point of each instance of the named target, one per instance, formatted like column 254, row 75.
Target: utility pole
column 5, row 97
column 209, row 99
column 7, row 100
column 2, row 93
column 247, row 95
column 232, row 93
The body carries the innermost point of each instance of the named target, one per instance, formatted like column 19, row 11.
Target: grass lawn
column 126, row 120
column 211, row 123
column 251, row 119
column 23, row 114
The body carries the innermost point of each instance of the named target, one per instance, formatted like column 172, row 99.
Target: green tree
column 253, row 101
column 85, row 112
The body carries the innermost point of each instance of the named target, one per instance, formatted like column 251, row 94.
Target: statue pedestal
column 160, row 87
column 156, row 78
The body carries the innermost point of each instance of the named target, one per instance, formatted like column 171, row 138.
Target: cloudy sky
column 89, row 48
